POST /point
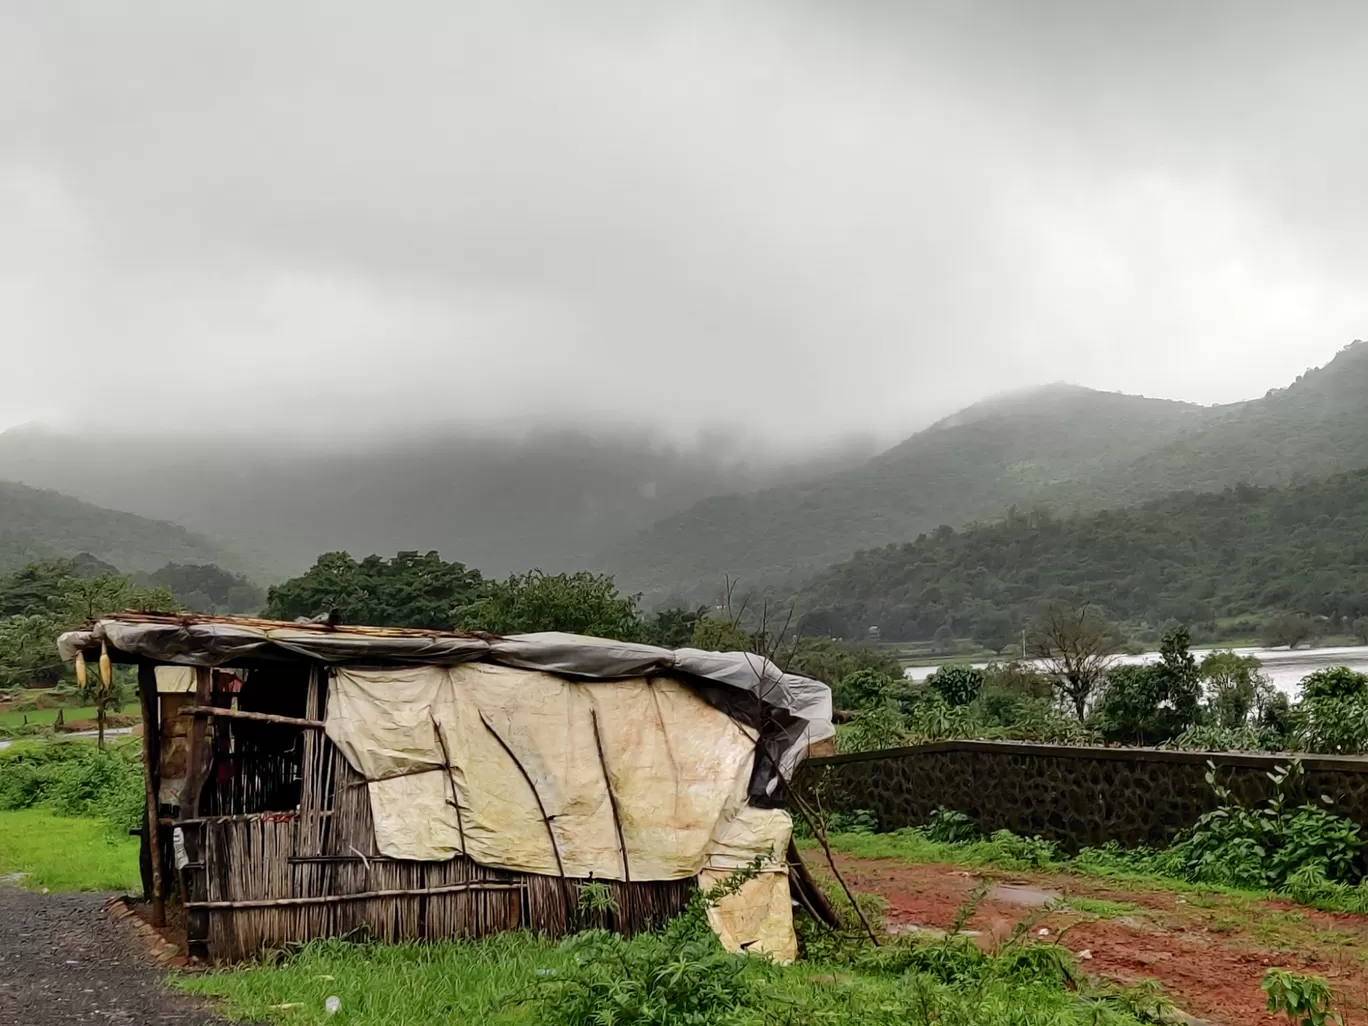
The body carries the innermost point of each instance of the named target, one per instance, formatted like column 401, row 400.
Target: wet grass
column 510, row 979
column 65, row 853
column 45, row 717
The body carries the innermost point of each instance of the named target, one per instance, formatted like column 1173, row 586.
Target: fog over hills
column 1059, row 447
column 550, row 500
column 37, row 525
column 673, row 520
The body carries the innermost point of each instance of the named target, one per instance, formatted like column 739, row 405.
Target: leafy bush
column 1334, row 682
column 1241, row 847
column 1305, row 1000
column 1025, row 852
column 957, row 684
column 74, row 778
column 680, row 975
column 1335, row 725
column 947, row 826
column 863, row 689
column 1213, row 738
column 873, row 730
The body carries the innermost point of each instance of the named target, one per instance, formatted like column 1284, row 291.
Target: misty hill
column 1060, row 447
column 974, row 464
column 1193, row 557
column 1315, row 427
column 497, row 504
column 36, row 524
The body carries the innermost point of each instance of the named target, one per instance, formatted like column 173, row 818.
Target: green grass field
column 512, row 979
column 45, row 717
column 64, row 853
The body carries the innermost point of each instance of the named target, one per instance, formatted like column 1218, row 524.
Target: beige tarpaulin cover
column 678, row 769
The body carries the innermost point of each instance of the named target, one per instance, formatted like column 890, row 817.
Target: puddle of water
column 1023, row 894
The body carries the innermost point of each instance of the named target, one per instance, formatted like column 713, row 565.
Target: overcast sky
column 798, row 220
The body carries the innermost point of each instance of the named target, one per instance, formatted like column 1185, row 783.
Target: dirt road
column 63, row 962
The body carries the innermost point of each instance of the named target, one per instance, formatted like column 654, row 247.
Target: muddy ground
column 1208, row 951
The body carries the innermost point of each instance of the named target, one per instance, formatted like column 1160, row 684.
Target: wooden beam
column 242, row 818
column 329, row 899
column 213, row 711
column 201, row 752
column 147, row 701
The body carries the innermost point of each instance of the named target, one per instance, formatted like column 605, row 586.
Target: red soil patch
column 1209, row 953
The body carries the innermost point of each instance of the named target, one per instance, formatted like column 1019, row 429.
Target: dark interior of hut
column 256, row 766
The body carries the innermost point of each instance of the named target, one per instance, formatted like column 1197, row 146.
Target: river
column 1285, row 667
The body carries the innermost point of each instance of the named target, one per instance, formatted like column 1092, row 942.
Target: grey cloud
column 792, row 220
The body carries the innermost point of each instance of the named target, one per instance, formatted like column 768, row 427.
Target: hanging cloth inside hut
column 453, row 756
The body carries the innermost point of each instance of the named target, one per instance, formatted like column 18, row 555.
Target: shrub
column 958, row 685
column 1334, row 682
column 947, row 826
column 863, row 689
column 1213, row 738
column 680, row 975
column 74, row 778
column 1241, row 847
column 1305, row 1000
column 872, row 730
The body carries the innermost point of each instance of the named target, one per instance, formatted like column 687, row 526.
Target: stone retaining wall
column 1075, row 796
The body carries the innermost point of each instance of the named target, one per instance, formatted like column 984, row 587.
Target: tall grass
column 65, row 812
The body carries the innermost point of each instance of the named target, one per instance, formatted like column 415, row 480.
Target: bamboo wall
column 265, row 879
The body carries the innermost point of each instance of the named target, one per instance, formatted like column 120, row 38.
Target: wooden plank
column 201, row 750
column 151, row 723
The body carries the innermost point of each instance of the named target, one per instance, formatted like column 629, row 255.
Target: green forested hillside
column 37, row 525
column 1315, row 427
column 1192, row 557
column 1063, row 448
column 973, row 464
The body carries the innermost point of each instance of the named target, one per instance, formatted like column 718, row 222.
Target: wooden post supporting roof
column 151, row 724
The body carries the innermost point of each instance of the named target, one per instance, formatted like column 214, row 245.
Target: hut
column 308, row 780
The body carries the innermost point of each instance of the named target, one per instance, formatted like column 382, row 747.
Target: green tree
column 831, row 661
column 863, row 689
column 207, row 588
column 410, row 590
column 1236, row 688
column 957, row 684
column 715, row 635
column 579, row 603
column 1334, row 682
column 1287, row 630
column 674, row 627
column 1361, row 629
column 1150, row 704
column 994, row 631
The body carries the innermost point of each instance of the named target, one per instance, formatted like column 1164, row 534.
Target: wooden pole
column 213, row 712
column 147, row 701
column 612, row 798
column 331, row 899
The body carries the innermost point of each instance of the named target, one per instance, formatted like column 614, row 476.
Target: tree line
column 1205, row 560
column 412, row 589
column 1076, row 690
